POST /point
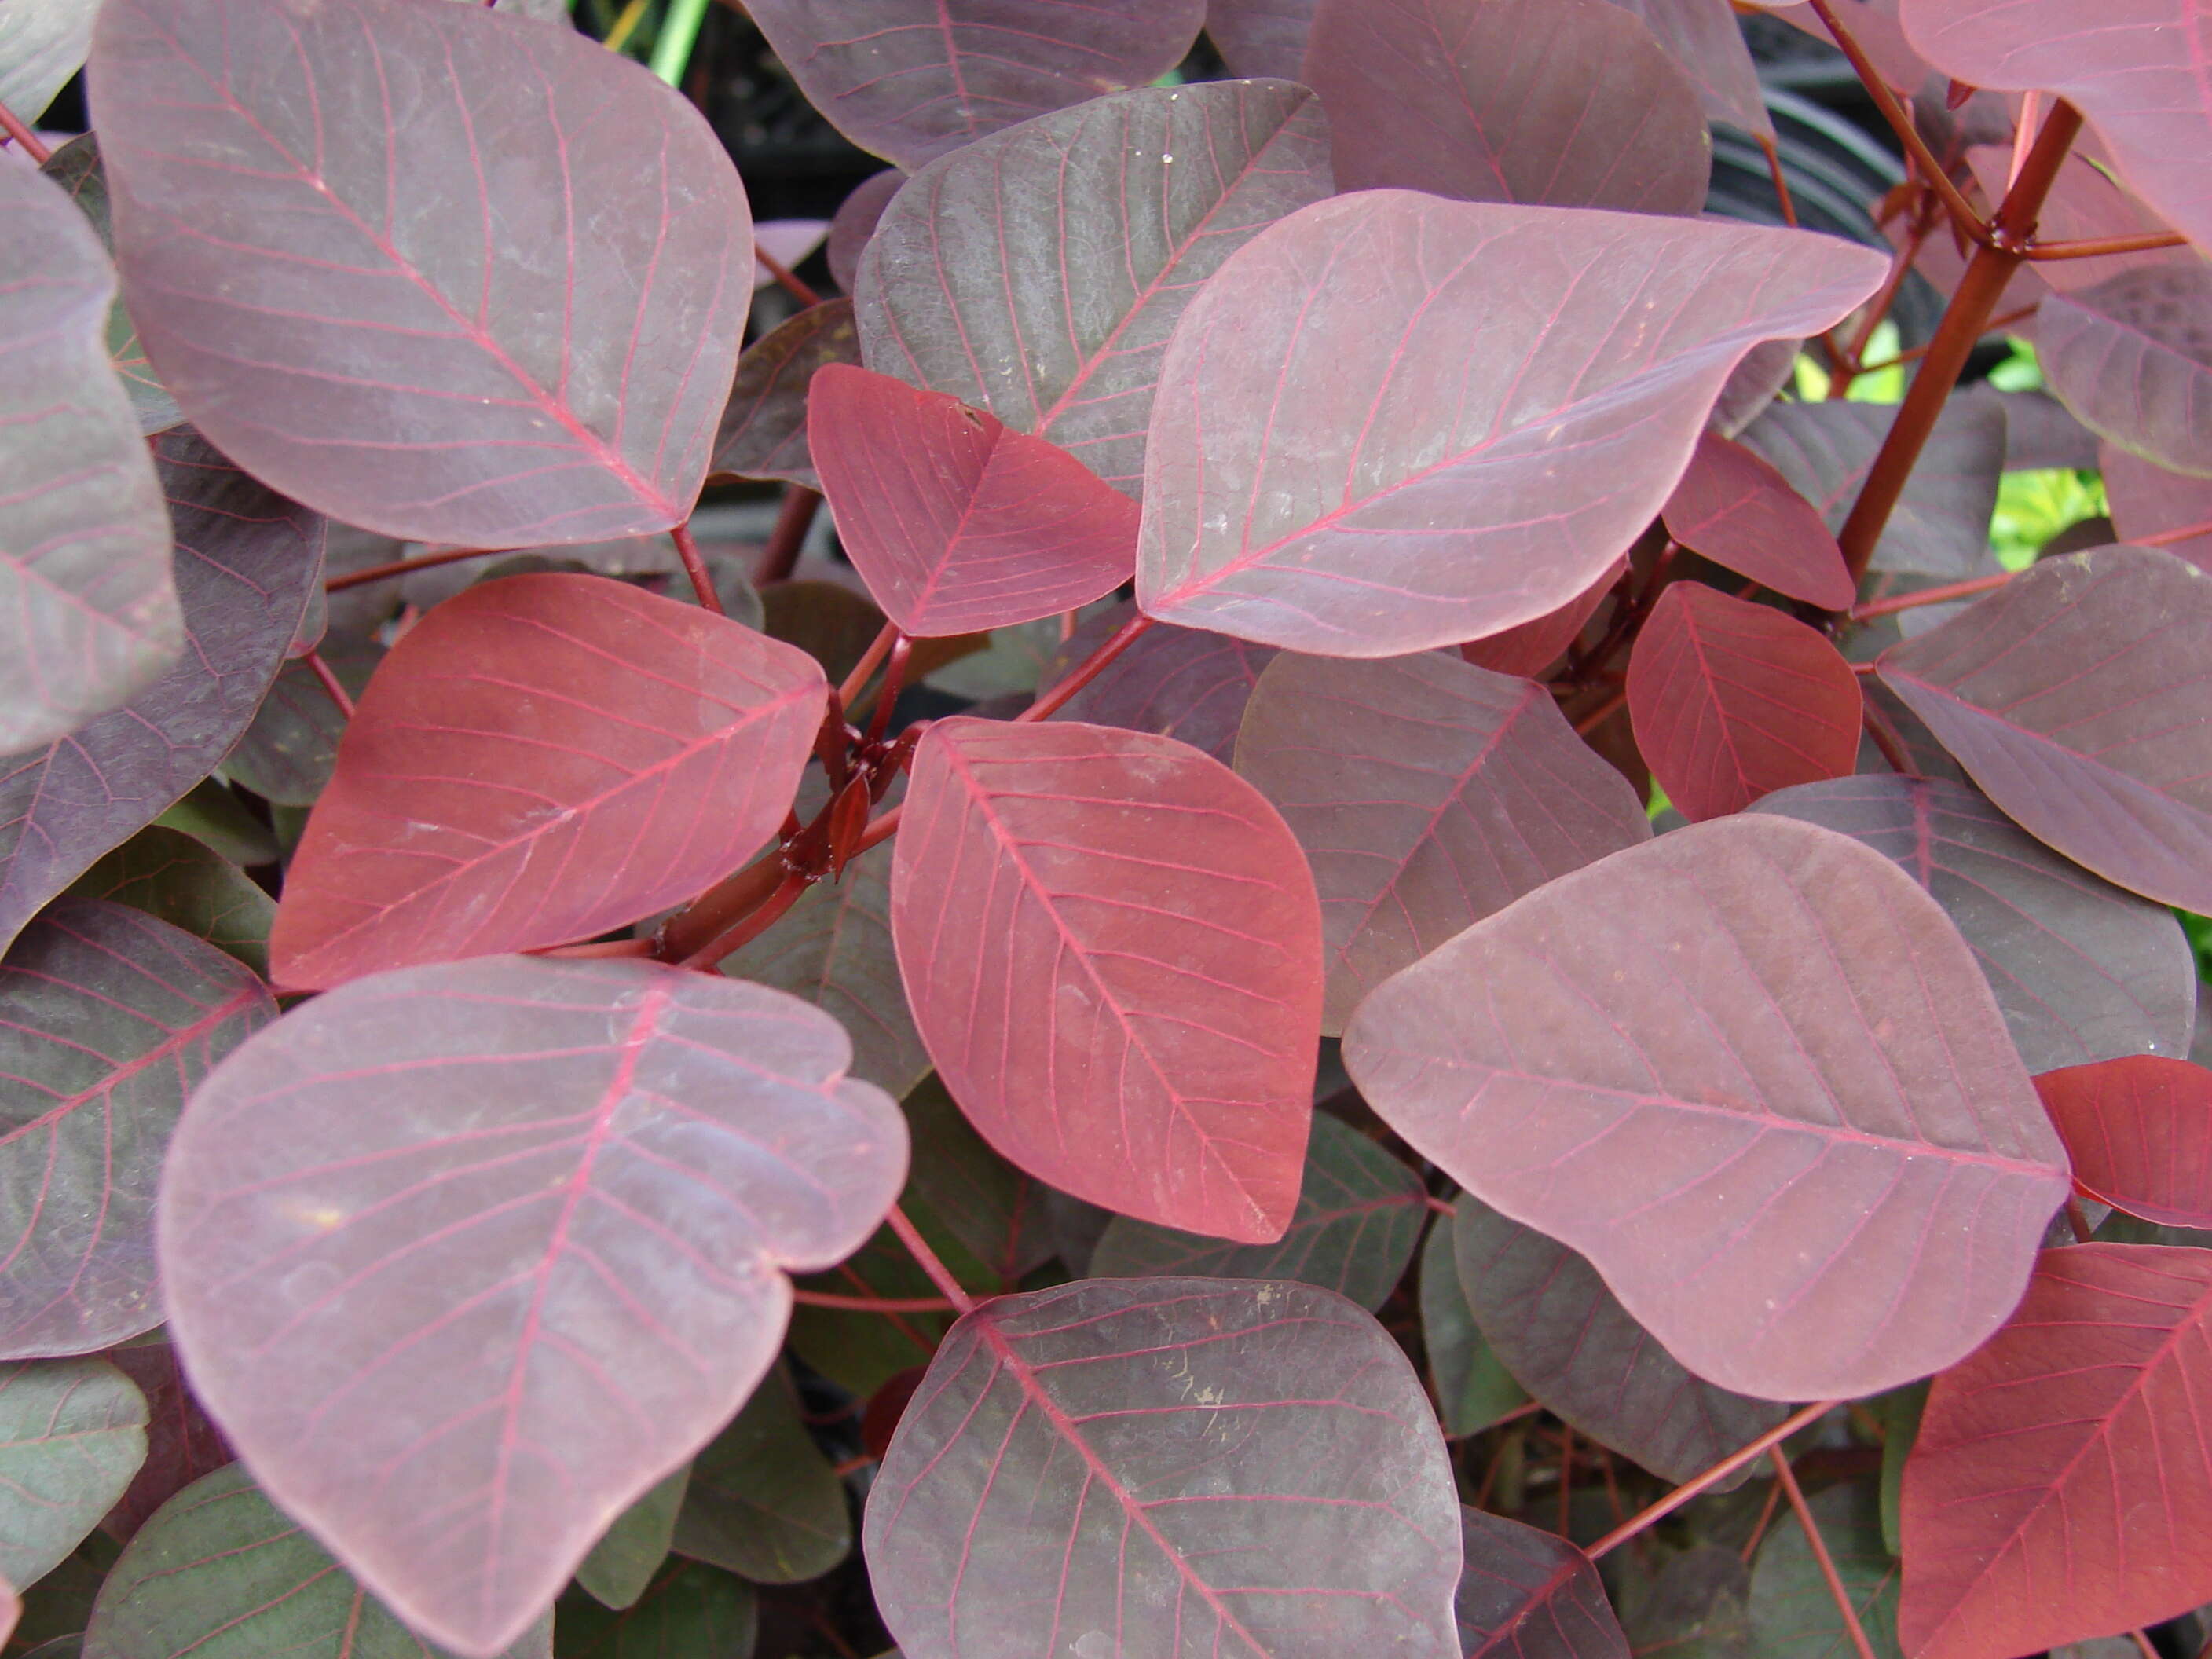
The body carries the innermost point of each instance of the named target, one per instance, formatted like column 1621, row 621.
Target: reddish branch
column 332, row 689
column 878, row 1304
column 1088, row 670
column 695, row 566
column 1949, row 591
column 1727, row 1465
column 926, row 1260
column 1836, row 1587
column 2150, row 242
column 791, row 284
column 408, row 567
column 22, row 135
column 781, row 556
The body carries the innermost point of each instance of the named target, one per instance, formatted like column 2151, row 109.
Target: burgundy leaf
column 1427, row 793
column 71, row 1432
column 464, row 1259
column 958, row 523
column 1413, row 494
column 2061, row 1486
column 2039, row 431
column 1733, row 507
column 2082, row 969
column 42, row 45
column 1167, row 1466
column 912, row 79
column 112, row 1018
column 763, row 430
column 2157, row 507
column 854, row 222
column 1261, row 37
column 1360, row 1214
column 1732, row 701
column 1181, row 683
column 1526, row 651
column 1530, row 1594
column 2138, row 71
column 182, row 1442
column 1704, row 37
column 539, row 760
column 176, row 880
column 2132, row 356
column 2139, row 1130
column 1751, row 1071
column 347, row 233
column 89, row 608
column 1571, row 102
column 1566, row 1339
column 286, row 755
column 2095, row 738
column 75, row 166
column 1173, row 180
column 1113, row 951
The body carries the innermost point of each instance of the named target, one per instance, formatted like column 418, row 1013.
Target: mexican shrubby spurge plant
column 534, row 1077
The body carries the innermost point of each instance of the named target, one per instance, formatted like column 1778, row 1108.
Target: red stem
column 870, row 660
column 894, row 677
column 336, row 692
column 694, row 566
column 612, row 947
column 782, row 272
column 2077, row 1221
column 1727, row 1465
column 926, row 1260
column 781, row 556
column 1949, row 591
column 2098, row 247
column 752, row 925
column 1599, row 715
column 1827, row 1565
column 1781, row 184
column 22, row 135
column 407, row 567
column 1758, row 1527
column 1088, row 670
column 1916, row 353
column 882, row 1304
column 1884, row 734
column 2167, row 537
column 1566, row 1480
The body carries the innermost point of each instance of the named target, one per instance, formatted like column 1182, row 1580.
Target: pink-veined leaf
column 90, row 608
column 1173, row 179
column 1112, row 948
column 245, row 560
column 539, row 760
column 2140, row 70
column 72, row 1432
column 2082, row 970
column 2156, row 507
column 1261, row 37
column 1412, row 494
column 1751, row 1073
column 1427, row 793
column 854, row 222
column 2079, row 697
column 2132, row 357
column 1168, row 1466
column 1732, row 701
column 912, row 79
column 1526, row 650
column 348, row 236
column 763, row 430
column 1526, row 1594
column 111, row 1019
column 2139, row 1130
column 1732, row 506
column 1181, row 683
column 182, row 1442
column 956, row 522
column 1566, row 1338
column 2061, row 1486
column 1571, row 102
column 42, row 45
column 466, row 1258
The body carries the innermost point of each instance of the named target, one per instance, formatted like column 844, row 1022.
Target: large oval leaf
column 2082, row 970
column 1027, row 321
column 245, row 561
column 1113, row 951
column 1571, row 102
column 1167, row 1466
column 2078, row 697
column 501, row 1243
column 1427, row 793
column 1751, row 1071
column 1528, row 1595
column 72, row 1433
column 2140, row 1133
column 1181, row 683
column 112, row 1018
column 1412, row 494
column 540, row 759
column 912, row 79
column 2132, row 357
column 87, row 609
column 1735, row 508
column 2084, row 1505
column 400, row 314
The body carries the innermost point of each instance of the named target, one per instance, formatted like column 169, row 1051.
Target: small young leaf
column 1793, row 1611
column 1473, row 1388
column 763, row 1502
column 1528, row 1595
column 2132, row 356
column 1733, row 507
column 632, row 1553
column 2139, row 1130
column 176, row 880
column 1181, row 683
column 72, row 1433
column 689, row 1609
column 763, row 430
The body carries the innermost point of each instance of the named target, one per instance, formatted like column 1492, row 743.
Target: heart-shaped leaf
column 2097, row 739
column 1202, row 1427
column 2132, row 357
column 1181, row 683
column 1113, row 951
column 763, row 1502
column 174, row 879
column 2157, row 507
column 1413, row 494
column 958, row 523
column 763, row 430
column 2086, row 1505
column 540, row 759
column 72, row 1433
column 401, row 317
column 2139, row 1130
column 1751, row 1071
column 1732, row 506
column 501, row 1243
column 1530, row 1595
column 1427, row 794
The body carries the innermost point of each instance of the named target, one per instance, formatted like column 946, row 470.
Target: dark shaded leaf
column 513, row 1308
column 1527, row 1594
column 990, row 1207
column 2157, row 507
column 176, row 880
column 829, row 622
column 1181, row 683
column 2139, row 1130
column 2132, row 356
column 1261, row 37
column 182, row 1442
column 1526, row 651
column 286, row 756
column 75, row 166
column 1733, row 507
column 763, row 430
column 1704, row 37
column 1259, row 1473
column 1474, row 1388
column 633, row 1552
column 689, row 1610
column 764, row 1503
column 854, row 222
column 859, row 1351
column 1347, row 521
column 72, row 1433
column 211, row 814
column 1696, row 1606
column 313, row 290
column 1793, row 1612
column 1832, row 1180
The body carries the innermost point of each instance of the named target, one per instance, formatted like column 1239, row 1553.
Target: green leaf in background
column 763, row 1501
column 690, row 1610
column 1474, row 1388
column 72, row 1433
column 629, row 1554
column 1793, row 1614
column 177, row 879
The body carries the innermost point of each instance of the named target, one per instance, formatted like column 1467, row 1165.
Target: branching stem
column 1787, row 1481
column 926, row 1260
column 1647, row 1518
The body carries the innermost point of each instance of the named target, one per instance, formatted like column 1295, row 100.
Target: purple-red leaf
column 1167, row 1467
column 72, row 1431
column 2078, row 697
column 541, row 759
column 87, row 609
column 1732, row 701
column 354, row 238
column 1750, row 1070
column 958, row 523
column 1733, row 507
column 763, row 430
column 1181, row 683
column 1113, row 951
column 2061, row 1486
column 2139, row 1130
column 464, row 1259
column 1525, row 1594
column 985, row 279
column 854, row 222
column 1261, row 37
column 1411, row 493
column 1705, row 38
column 2157, row 507
column 1571, row 102
column 182, row 1442
column 1427, row 793
column 111, row 1018
column 1525, row 650
column 2132, row 357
